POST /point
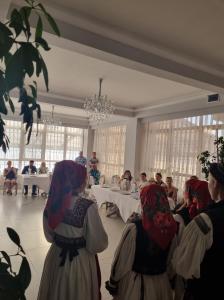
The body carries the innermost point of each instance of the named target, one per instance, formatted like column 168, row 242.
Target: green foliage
column 205, row 158
column 13, row 285
column 21, row 60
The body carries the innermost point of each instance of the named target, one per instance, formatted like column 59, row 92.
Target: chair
column 15, row 186
column 102, row 180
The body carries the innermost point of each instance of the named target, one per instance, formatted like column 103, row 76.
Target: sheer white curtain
column 109, row 144
column 171, row 147
column 52, row 144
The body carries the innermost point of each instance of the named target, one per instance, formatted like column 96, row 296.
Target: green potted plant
column 206, row 157
column 20, row 59
column 13, row 285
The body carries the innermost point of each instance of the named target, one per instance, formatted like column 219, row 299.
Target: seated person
column 95, row 174
column 126, row 180
column 43, row 168
column 158, row 179
column 194, row 177
column 143, row 181
column 30, row 169
column 171, row 190
column 10, row 177
column 151, row 181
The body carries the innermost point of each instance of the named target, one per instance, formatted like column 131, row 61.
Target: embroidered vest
column 210, row 283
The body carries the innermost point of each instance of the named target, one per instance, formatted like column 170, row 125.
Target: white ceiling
column 156, row 57
column 76, row 76
column 193, row 28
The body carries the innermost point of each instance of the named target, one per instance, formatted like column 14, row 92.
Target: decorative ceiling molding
column 194, row 107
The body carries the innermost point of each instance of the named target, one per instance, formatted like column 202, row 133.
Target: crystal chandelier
column 98, row 107
column 51, row 120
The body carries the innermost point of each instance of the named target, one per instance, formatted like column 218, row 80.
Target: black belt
column 69, row 246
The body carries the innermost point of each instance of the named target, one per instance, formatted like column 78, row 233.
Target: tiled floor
column 25, row 216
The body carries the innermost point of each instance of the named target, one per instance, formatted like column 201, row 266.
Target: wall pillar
column 132, row 147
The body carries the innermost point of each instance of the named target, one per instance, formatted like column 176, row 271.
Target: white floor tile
column 25, row 216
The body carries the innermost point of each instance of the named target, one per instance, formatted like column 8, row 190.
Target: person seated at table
column 143, row 181
column 171, row 190
column 95, row 174
column 30, row 169
column 10, row 177
column 151, row 181
column 194, row 177
column 158, row 179
column 81, row 159
column 139, row 268
column 43, row 168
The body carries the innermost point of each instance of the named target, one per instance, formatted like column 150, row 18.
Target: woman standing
column 142, row 274
column 199, row 257
column 73, row 226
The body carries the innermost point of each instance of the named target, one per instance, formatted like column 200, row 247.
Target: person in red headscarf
column 73, row 226
column 196, row 199
column 199, row 256
column 139, row 268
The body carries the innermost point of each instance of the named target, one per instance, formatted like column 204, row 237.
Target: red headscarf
column 157, row 219
column 198, row 194
column 67, row 176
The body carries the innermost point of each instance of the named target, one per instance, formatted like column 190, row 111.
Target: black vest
column 184, row 213
column 150, row 259
column 210, row 283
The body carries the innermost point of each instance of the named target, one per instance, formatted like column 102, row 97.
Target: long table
column 42, row 181
column 126, row 203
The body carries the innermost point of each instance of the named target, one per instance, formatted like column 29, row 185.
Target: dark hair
column 31, row 161
column 128, row 171
column 217, row 171
column 143, row 174
column 159, row 174
column 194, row 177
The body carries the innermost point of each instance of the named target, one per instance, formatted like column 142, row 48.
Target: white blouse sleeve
column 125, row 253
column 95, row 235
column 48, row 232
column 191, row 250
column 181, row 226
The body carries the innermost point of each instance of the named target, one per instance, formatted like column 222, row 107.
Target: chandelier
column 98, row 107
column 51, row 120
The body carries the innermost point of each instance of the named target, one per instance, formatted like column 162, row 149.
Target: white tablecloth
column 126, row 203
column 42, row 181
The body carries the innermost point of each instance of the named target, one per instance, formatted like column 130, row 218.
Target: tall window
column 34, row 149
column 172, row 147
column 55, row 143
column 51, row 144
column 74, row 143
column 13, row 131
column 109, row 144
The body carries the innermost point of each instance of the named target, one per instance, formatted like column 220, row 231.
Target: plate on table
column 125, row 192
column 115, row 189
column 105, row 186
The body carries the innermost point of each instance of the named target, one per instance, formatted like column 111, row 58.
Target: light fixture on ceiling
column 51, row 120
column 98, row 107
